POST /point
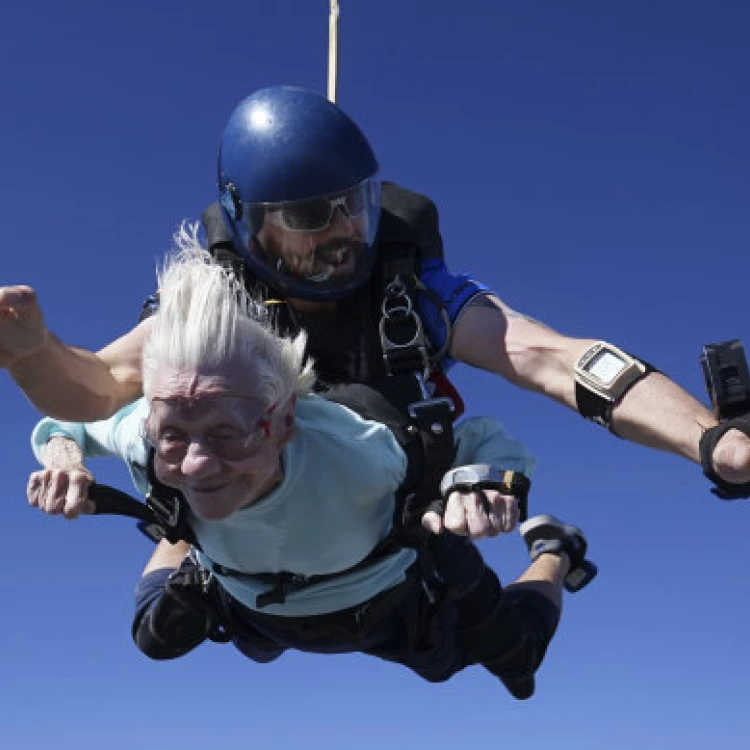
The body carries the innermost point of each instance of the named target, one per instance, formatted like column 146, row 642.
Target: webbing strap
column 169, row 508
column 284, row 582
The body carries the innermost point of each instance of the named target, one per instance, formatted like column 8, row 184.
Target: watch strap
column 597, row 408
column 593, row 406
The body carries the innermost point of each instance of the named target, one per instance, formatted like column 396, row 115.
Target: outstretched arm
column 61, row 380
column 655, row 412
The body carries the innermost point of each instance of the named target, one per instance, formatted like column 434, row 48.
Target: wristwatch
column 603, row 375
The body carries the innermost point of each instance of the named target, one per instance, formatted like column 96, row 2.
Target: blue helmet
column 298, row 189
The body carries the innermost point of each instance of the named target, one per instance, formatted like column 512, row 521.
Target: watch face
column 606, row 366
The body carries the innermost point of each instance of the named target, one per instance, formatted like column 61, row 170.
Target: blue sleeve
column 451, row 291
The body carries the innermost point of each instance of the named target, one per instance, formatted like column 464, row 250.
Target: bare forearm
column 78, row 385
column 67, row 383
column 62, row 486
column 62, row 453
column 492, row 336
column 654, row 412
column 657, row 413
column 167, row 555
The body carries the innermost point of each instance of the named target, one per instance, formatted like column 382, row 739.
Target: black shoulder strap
column 218, row 236
column 408, row 218
column 169, row 508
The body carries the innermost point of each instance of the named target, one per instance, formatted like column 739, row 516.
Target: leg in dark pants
column 506, row 631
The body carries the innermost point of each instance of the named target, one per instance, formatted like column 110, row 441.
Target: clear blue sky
column 590, row 161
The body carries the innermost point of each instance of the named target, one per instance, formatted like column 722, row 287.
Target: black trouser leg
column 161, row 634
column 175, row 616
column 508, row 633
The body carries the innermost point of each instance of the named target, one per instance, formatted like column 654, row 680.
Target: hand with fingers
column 731, row 456
column 61, row 492
column 477, row 514
column 478, row 501
column 61, row 487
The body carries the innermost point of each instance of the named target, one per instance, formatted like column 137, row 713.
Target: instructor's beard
column 338, row 259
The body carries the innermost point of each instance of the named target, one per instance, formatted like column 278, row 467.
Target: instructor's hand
column 22, row 329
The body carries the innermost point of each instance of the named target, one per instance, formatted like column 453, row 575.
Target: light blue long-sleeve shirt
column 334, row 504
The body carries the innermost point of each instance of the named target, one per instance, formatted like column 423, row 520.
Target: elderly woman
column 278, row 479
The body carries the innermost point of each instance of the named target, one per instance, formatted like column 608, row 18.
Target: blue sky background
column 590, row 161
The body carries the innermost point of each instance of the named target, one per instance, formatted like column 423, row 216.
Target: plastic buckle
column 167, row 511
column 427, row 399
column 416, row 406
column 580, row 577
column 152, row 531
column 277, row 595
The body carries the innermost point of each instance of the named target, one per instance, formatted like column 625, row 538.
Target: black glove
column 723, row 489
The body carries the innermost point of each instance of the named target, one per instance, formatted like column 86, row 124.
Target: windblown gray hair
column 206, row 318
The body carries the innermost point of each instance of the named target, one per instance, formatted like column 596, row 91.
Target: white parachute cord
column 333, row 50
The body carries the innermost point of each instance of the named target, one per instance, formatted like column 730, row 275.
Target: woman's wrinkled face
column 215, row 439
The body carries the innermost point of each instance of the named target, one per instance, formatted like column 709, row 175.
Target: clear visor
column 315, row 247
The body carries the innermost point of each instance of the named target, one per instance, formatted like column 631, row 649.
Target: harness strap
column 169, row 508
column 406, row 355
column 110, row 501
column 285, row 582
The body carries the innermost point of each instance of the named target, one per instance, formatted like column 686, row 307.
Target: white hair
column 207, row 318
